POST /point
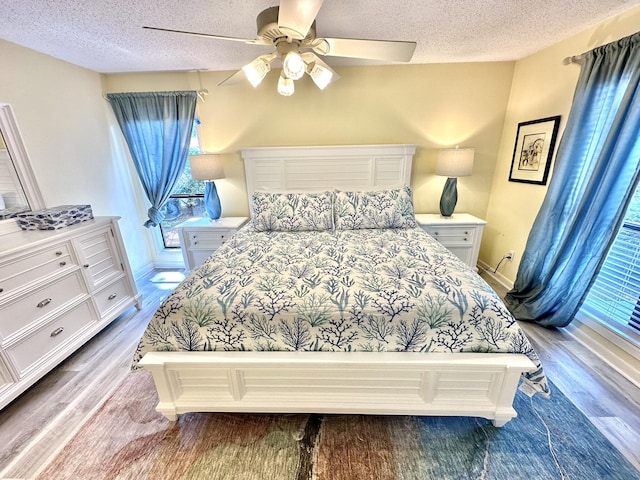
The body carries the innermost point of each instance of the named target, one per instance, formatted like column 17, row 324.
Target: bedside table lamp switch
column 453, row 163
column 208, row 167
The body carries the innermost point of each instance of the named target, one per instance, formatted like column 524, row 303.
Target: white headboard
column 355, row 167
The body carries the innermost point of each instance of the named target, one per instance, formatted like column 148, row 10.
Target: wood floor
column 37, row 424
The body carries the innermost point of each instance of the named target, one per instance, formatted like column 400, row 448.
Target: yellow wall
column 432, row 106
column 542, row 87
column 61, row 115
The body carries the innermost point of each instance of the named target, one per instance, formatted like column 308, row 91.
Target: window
column 186, row 201
column 614, row 298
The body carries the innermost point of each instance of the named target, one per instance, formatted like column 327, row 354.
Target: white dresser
column 57, row 290
column 200, row 237
column 461, row 233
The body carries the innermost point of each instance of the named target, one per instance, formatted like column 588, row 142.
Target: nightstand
column 461, row 233
column 200, row 237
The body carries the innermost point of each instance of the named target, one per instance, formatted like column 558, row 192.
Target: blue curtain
column 594, row 177
column 157, row 128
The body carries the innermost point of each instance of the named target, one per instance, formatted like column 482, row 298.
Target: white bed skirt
column 385, row 383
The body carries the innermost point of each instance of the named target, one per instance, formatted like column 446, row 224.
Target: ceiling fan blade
column 252, row 41
column 295, row 17
column 236, row 78
column 388, row 50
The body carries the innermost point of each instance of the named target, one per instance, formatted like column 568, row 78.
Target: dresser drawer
column 37, row 347
column 211, row 239
column 27, row 309
column 111, row 296
column 18, row 272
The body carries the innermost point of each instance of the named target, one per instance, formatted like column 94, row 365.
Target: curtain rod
column 572, row 59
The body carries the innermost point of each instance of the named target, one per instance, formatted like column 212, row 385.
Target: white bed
column 387, row 382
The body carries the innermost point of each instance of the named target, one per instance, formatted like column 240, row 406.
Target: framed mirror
column 19, row 189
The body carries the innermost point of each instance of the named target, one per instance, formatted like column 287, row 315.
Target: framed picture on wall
column 533, row 151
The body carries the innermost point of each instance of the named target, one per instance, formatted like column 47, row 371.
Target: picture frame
column 533, row 150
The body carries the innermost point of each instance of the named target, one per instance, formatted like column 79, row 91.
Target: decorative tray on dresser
column 57, row 290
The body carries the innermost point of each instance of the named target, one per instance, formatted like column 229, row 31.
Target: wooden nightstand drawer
column 460, row 233
column 207, row 239
column 456, row 235
column 200, row 237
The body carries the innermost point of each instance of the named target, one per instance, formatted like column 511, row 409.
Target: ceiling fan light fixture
column 285, row 86
column 293, row 65
column 256, row 70
column 320, row 75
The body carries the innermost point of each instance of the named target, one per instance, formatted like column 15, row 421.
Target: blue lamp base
column 212, row 201
column 449, row 197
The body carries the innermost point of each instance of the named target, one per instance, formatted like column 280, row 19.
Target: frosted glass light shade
column 293, row 66
column 321, row 76
column 455, row 162
column 285, row 86
column 256, row 70
column 206, row 166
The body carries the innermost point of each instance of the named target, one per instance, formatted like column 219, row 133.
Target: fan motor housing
column 267, row 23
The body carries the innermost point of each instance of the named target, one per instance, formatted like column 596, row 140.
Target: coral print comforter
column 371, row 289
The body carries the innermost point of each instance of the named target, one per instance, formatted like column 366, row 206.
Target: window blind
column 614, row 298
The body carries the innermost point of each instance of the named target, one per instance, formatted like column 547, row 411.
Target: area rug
column 127, row 439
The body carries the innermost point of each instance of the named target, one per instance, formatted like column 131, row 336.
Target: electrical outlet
column 509, row 256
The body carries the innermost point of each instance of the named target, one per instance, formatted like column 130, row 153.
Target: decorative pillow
column 374, row 209
column 292, row 212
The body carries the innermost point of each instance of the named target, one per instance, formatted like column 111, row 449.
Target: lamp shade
column 206, row 166
column 455, row 162
column 257, row 69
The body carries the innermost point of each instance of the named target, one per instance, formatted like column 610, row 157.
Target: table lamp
column 208, row 167
column 453, row 163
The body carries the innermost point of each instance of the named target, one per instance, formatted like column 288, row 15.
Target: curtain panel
column 157, row 128
column 594, row 177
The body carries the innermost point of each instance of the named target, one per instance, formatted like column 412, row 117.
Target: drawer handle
column 44, row 303
column 58, row 253
column 466, row 239
column 466, row 233
column 435, row 233
column 1, row 290
column 62, row 264
column 57, row 331
column 194, row 236
column 195, row 243
column 112, row 296
column 86, row 265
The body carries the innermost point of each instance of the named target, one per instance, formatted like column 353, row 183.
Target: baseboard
column 169, row 265
column 141, row 273
column 621, row 355
column 503, row 281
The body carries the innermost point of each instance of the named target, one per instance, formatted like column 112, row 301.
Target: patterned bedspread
column 336, row 290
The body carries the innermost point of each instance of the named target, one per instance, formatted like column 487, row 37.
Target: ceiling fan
column 291, row 29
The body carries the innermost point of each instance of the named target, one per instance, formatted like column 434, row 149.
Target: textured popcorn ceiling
column 107, row 35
